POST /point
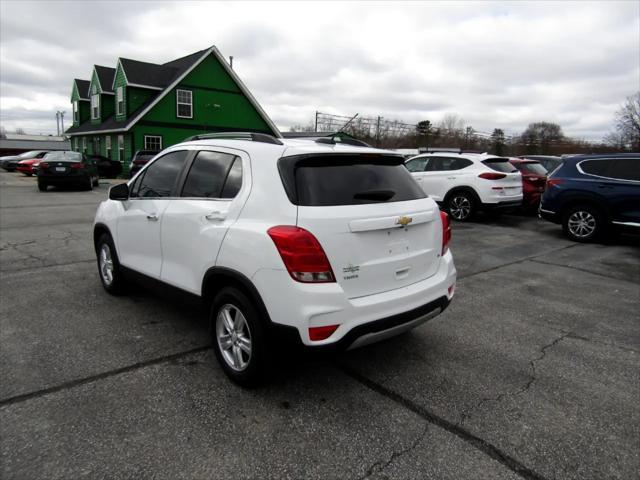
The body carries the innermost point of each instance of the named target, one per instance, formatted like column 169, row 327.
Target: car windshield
column 500, row 165
column 533, row 167
column 63, row 157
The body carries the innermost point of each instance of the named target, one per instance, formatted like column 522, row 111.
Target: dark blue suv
column 589, row 194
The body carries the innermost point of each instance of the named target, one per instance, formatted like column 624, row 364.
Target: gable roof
column 147, row 74
column 105, row 77
column 83, row 88
column 179, row 68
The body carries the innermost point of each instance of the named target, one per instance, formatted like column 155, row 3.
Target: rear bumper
column 63, row 179
column 504, row 204
column 370, row 318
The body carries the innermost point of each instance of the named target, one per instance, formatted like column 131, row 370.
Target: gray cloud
column 498, row 64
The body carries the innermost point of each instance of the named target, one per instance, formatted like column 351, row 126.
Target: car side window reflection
column 160, row 177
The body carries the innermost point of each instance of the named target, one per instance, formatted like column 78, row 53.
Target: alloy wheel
column 460, row 207
column 234, row 337
column 581, row 224
column 106, row 264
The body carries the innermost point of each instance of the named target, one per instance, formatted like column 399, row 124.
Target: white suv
column 333, row 245
column 467, row 182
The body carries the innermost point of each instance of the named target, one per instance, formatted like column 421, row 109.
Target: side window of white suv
column 438, row 164
column 213, row 175
column 159, row 178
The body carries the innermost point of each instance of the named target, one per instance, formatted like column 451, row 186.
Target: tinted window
column 63, row 157
column 160, row 177
column 209, row 173
column 595, row 167
column 437, row 164
column 626, row 169
column 417, row 164
column 534, row 168
column 234, row 180
column 348, row 180
column 500, row 165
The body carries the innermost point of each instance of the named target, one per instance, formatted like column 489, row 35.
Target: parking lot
column 533, row 371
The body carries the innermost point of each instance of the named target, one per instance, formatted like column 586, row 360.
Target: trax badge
column 404, row 221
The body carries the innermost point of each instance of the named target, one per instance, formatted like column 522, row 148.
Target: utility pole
column 62, row 122
column 58, row 123
column 231, row 61
column 378, row 131
column 316, row 121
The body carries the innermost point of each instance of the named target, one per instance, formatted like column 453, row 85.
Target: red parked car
column 534, row 179
column 29, row 167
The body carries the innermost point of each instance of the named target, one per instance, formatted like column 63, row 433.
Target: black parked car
column 67, row 168
column 549, row 162
column 107, row 168
column 140, row 159
column 590, row 194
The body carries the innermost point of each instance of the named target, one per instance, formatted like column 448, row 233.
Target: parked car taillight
column 302, row 254
column 77, row 166
column 492, row 176
column 43, row 165
column 446, row 231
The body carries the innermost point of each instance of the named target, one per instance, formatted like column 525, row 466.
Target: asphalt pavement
column 532, row 372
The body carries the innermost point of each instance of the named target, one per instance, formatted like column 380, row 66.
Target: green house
column 147, row 106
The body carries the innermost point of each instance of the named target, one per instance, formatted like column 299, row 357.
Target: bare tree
column 309, row 127
column 627, row 125
column 20, row 131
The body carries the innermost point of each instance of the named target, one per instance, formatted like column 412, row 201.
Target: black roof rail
column 254, row 137
column 447, row 150
column 347, row 141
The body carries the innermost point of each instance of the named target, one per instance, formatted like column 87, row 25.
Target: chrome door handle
column 152, row 217
column 216, row 215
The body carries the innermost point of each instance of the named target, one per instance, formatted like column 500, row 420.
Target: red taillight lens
column 77, row 166
column 44, row 165
column 446, row 231
column 492, row 176
column 302, row 254
column 552, row 182
column 321, row 333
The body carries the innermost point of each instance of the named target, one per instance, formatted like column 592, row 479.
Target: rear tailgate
column 511, row 183
column 376, row 226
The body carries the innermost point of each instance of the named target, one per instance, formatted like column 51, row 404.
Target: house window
column 153, row 142
column 184, row 107
column 76, row 113
column 120, row 100
column 121, row 148
column 107, row 145
column 95, row 106
column 84, row 144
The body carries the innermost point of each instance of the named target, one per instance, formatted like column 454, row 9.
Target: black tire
column 583, row 223
column 117, row 284
column 257, row 366
column 96, row 182
column 42, row 186
column 88, row 184
column 461, row 206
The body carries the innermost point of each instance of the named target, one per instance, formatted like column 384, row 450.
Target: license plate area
column 61, row 169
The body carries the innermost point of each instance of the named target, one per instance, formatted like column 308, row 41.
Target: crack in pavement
column 583, row 270
column 480, row 444
column 93, row 378
column 527, row 386
column 380, row 466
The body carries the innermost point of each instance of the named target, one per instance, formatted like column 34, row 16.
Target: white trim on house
column 159, row 137
column 149, row 87
column 126, row 80
column 84, row 144
column 76, row 111
column 95, row 108
column 120, row 100
column 178, row 103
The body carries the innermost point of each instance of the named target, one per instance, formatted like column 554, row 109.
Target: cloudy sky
column 502, row 64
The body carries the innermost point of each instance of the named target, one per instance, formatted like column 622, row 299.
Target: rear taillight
column 43, row 165
column 302, row 254
column 321, row 333
column 553, row 182
column 446, row 231
column 492, row 176
column 77, row 166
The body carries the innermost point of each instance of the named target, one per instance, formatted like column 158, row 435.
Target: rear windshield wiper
column 377, row 195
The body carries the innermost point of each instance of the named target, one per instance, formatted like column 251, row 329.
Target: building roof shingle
column 83, row 87
column 105, row 77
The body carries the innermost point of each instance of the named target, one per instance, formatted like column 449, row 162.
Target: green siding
column 96, row 82
column 75, row 95
column 120, row 81
column 135, row 97
column 210, row 74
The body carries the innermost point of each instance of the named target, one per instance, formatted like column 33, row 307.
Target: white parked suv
column 467, row 182
column 332, row 245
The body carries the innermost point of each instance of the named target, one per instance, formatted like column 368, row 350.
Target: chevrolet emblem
column 404, row 221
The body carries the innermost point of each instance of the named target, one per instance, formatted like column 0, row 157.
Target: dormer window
column 120, row 100
column 184, row 104
column 95, row 106
column 76, row 112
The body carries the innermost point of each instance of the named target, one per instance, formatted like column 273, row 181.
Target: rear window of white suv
column 500, row 165
column 332, row 180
